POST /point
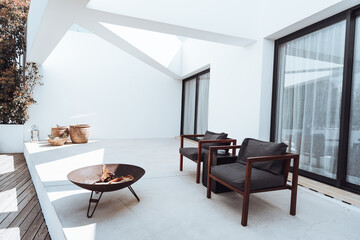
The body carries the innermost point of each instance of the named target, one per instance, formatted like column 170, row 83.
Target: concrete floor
column 172, row 205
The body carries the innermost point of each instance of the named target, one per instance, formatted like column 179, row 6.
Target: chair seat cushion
column 192, row 153
column 234, row 174
column 255, row 148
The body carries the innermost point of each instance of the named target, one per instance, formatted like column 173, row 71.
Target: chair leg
column 294, row 184
column 198, row 165
column 293, row 201
column 208, row 192
column 181, row 162
column 245, row 210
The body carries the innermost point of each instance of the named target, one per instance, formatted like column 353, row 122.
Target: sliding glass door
column 203, row 103
column 310, row 78
column 189, row 100
column 316, row 98
column 353, row 166
column 195, row 104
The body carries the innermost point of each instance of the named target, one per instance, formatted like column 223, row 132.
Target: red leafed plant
column 17, row 78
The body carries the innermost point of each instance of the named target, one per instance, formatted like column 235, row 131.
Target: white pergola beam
column 57, row 17
column 150, row 25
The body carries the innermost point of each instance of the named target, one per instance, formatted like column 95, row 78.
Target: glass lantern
column 34, row 133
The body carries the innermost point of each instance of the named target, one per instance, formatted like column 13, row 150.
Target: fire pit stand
column 93, row 200
column 134, row 193
column 87, row 176
column 96, row 201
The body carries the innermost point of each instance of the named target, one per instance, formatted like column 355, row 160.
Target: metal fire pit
column 86, row 177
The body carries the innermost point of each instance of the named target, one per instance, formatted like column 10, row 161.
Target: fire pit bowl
column 86, row 177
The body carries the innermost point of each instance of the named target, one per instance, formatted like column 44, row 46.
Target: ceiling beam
column 56, row 17
column 155, row 26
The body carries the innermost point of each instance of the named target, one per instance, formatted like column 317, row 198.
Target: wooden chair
column 254, row 176
column 196, row 154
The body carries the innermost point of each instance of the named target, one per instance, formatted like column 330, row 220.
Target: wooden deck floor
column 20, row 213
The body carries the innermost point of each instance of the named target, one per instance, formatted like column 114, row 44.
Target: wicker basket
column 57, row 141
column 80, row 133
column 58, row 131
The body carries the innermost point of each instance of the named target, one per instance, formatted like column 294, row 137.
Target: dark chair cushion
column 192, row 153
column 234, row 174
column 255, row 148
column 213, row 136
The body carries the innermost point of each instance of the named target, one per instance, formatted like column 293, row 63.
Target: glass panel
column 203, row 103
column 353, row 166
column 189, row 106
column 310, row 77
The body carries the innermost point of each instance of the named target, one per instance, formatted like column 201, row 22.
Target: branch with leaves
column 17, row 79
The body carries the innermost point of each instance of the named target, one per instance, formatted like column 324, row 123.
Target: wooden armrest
column 201, row 142
column 188, row 136
column 218, row 141
column 192, row 135
column 211, row 151
column 271, row 158
column 224, row 147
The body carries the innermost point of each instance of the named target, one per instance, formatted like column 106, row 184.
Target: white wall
column 87, row 80
column 235, row 80
column 11, row 138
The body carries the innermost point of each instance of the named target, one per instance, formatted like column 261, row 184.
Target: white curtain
column 203, row 103
column 189, row 106
column 353, row 166
column 310, row 78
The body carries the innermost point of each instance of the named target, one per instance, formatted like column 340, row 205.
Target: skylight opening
column 160, row 46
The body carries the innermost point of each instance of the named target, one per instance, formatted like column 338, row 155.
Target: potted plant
column 17, row 78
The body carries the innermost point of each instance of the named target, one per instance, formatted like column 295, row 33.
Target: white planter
column 11, row 138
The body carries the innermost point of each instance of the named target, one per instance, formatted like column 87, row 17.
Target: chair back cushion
column 213, row 136
column 256, row 148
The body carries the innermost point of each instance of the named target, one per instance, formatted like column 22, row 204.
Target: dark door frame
column 196, row 77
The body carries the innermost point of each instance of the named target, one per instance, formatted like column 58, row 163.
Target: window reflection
column 353, row 167
column 310, row 78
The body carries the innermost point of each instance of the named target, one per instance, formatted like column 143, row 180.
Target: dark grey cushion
column 255, row 148
column 213, row 136
column 192, row 153
column 234, row 174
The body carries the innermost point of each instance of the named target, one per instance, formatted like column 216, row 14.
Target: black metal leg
column 133, row 192
column 93, row 200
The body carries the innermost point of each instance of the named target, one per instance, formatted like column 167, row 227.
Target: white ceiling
column 220, row 16
column 234, row 22
column 240, row 18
